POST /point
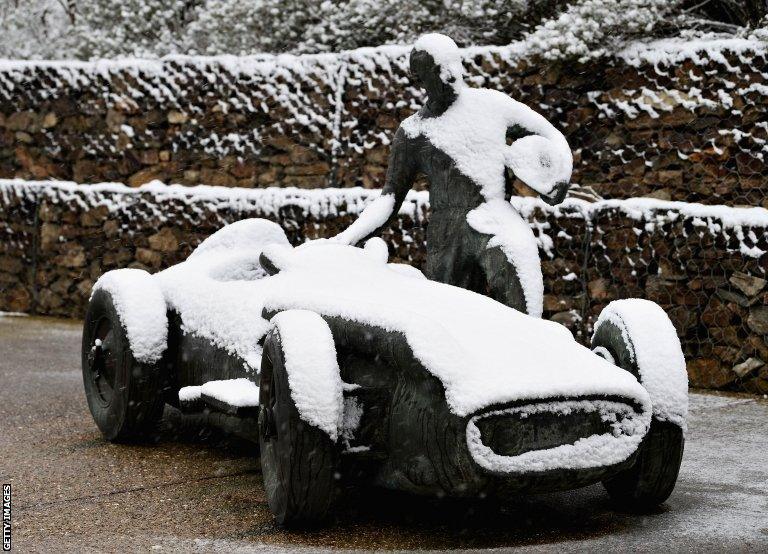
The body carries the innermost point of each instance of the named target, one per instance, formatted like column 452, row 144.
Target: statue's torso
column 449, row 189
column 462, row 149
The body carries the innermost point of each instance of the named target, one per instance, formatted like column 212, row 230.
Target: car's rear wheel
column 124, row 396
column 651, row 479
column 298, row 461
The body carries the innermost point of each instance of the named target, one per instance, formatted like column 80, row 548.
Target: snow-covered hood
column 484, row 353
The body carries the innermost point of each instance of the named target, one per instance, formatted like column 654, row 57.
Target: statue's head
column 436, row 65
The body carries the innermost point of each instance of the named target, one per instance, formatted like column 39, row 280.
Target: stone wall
column 705, row 265
column 674, row 120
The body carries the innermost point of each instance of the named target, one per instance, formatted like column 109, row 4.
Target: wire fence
column 705, row 265
column 679, row 120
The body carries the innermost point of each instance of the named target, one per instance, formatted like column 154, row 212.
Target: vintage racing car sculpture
column 351, row 368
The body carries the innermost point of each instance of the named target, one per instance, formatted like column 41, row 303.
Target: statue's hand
column 341, row 238
column 315, row 242
column 557, row 195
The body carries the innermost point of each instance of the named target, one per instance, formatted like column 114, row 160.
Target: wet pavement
column 196, row 490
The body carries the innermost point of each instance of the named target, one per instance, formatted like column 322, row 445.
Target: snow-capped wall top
column 445, row 53
column 650, row 213
column 672, row 51
column 653, row 210
column 268, row 201
column 338, row 112
column 329, row 201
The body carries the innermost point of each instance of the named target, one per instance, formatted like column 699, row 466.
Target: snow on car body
column 430, row 388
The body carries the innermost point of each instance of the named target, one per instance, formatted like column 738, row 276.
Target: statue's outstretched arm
column 401, row 172
column 539, row 154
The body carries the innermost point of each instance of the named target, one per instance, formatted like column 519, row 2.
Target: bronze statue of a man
column 459, row 141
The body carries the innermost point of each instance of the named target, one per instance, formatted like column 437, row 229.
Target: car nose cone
column 512, row 434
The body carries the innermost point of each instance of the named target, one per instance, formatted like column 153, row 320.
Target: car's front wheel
column 298, row 460
column 619, row 339
column 651, row 479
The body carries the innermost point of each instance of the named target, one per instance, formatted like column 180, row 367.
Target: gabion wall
column 705, row 265
column 675, row 120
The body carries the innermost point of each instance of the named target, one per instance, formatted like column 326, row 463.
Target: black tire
column 298, row 461
column 125, row 397
column 651, row 479
column 610, row 337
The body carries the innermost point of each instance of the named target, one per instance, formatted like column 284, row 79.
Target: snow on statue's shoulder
column 473, row 130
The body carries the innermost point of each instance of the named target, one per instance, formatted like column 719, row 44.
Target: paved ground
column 194, row 491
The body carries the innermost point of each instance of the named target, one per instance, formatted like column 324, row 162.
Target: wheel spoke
column 267, row 417
column 108, row 343
column 275, row 414
column 108, row 370
column 104, row 361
